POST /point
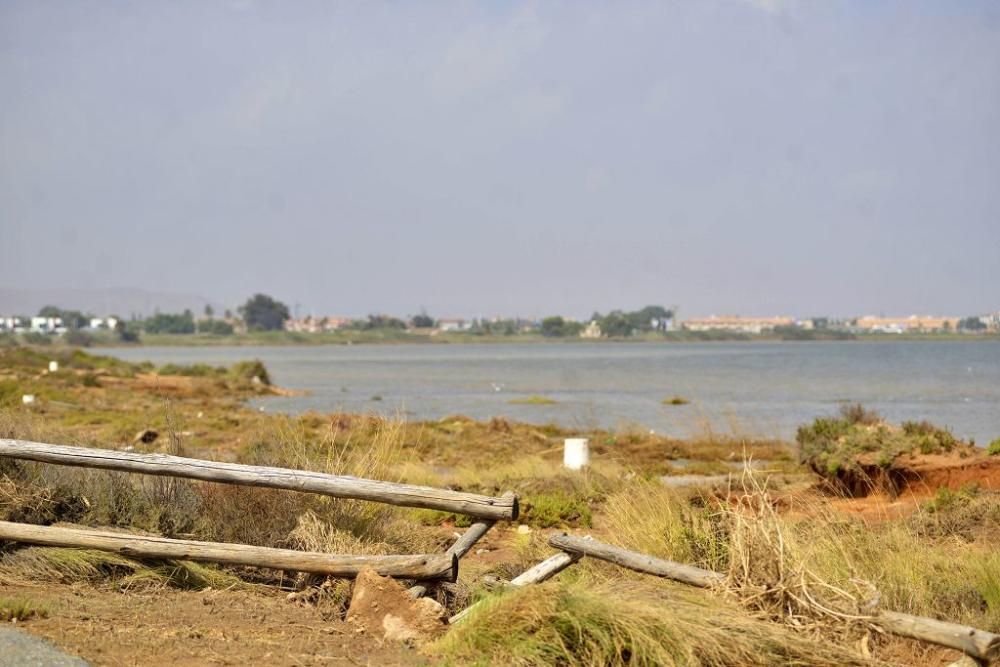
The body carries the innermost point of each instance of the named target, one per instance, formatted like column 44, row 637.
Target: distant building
column 310, row 324
column 47, row 325
column 592, row 330
column 911, row 324
column 754, row 325
column 11, row 324
column 446, row 324
column 103, row 323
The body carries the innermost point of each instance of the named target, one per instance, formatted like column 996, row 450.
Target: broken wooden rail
column 536, row 574
column 420, row 566
column 340, row 486
column 982, row 645
column 461, row 547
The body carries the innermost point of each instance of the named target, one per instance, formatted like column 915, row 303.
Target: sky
column 508, row 158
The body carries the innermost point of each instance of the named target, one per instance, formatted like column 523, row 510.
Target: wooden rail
column 982, row 645
column 461, row 547
column 470, row 504
column 423, row 566
column 634, row 560
column 547, row 569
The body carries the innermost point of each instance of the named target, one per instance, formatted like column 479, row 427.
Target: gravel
column 23, row 650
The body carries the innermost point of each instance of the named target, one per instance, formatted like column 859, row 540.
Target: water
column 763, row 389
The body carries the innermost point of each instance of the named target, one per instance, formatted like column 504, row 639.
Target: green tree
column 559, row 327
column 71, row 319
column 263, row 313
column 215, row 327
column 972, row 323
column 167, row 323
column 209, row 311
column 422, row 321
column 127, row 333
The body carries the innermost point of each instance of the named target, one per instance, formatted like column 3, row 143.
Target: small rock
column 523, row 529
column 382, row 607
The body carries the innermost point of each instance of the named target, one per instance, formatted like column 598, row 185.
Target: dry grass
column 35, row 493
column 585, row 622
column 21, row 609
column 86, row 565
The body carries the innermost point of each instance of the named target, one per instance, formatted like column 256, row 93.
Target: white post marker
column 576, row 453
column 53, row 366
column 27, row 399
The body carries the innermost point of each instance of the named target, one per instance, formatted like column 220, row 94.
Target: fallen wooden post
column 547, row 569
column 634, row 560
column 459, row 549
column 982, row 645
column 979, row 644
column 340, row 486
column 421, row 566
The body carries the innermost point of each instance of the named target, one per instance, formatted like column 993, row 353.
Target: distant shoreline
column 286, row 339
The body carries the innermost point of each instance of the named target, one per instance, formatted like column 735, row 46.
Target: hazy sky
column 514, row 158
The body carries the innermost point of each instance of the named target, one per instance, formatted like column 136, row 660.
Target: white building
column 47, row 325
column 11, row 324
column 453, row 325
column 103, row 323
column 754, row 325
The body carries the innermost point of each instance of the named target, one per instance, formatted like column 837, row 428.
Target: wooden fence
column 485, row 509
column 979, row 645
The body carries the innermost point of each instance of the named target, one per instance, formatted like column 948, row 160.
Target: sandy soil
column 109, row 627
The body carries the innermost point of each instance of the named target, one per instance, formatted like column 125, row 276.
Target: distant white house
column 453, row 325
column 592, row 330
column 47, row 325
column 11, row 324
column 103, row 323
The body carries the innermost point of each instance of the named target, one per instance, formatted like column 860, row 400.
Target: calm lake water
column 763, row 389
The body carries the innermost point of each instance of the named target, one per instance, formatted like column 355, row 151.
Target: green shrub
column 248, row 370
column 832, row 445
column 192, row 370
column 557, row 508
column 78, row 338
column 215, row 327
column 994, row 448
column 35, row 338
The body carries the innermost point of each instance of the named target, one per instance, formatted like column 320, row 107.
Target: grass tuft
column 21, row 609
column 624, row 623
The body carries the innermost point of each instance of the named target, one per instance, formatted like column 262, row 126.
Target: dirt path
column 170, row 627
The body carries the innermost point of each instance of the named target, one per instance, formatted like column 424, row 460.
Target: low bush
column 556, row 508
column 833, row 446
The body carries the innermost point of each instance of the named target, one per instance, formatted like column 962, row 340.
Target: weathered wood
column 547, row 569
column 459, row 549
column 633, row 560
column 422, row 566
column 469, row 538
column 979, row 644
column 340, row 486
